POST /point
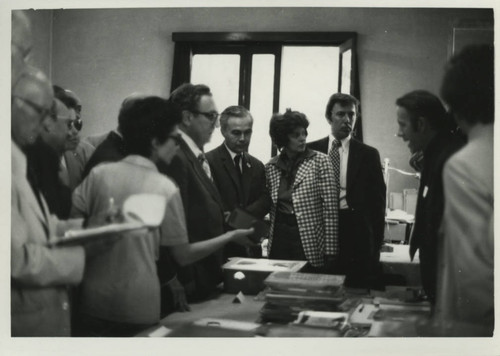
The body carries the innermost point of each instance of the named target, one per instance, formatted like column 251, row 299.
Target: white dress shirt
column 344, row 157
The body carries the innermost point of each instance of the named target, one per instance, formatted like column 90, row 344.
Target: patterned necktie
column 335, row 157
column 204, row 164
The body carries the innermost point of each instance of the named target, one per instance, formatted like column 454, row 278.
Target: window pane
column 346, row 72
column 309, row 75
column 261, row 105
column 221, row 72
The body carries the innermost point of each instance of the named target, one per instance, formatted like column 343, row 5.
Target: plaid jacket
column 315, row 202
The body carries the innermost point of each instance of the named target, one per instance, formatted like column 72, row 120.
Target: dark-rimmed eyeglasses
column 212, row 116
column 43, row 112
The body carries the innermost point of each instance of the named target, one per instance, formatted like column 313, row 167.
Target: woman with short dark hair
column 304, row 212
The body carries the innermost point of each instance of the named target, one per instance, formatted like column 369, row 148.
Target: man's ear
column 422, row 124
column 186, row 118
column 48, row 124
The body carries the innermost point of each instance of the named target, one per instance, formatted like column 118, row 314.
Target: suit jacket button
column 65, row 305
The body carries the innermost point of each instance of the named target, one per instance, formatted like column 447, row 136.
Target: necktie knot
column 202, row 157
column 204, row 164
column 337, row 143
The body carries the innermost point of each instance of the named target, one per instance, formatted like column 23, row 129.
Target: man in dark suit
column 202, row 203
column 424, row 124
column 362, row 194
column 239, row 177
column 111, row 149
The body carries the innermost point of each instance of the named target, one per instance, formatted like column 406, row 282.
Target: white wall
column 104, row 55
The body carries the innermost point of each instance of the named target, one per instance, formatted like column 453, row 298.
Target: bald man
column 39, row 274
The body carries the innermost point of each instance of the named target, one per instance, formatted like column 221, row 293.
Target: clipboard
column 140, row 211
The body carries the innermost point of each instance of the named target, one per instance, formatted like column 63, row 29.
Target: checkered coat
column 315, row 202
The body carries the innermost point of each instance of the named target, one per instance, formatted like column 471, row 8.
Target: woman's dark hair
column 282, row 125
column 146, row 119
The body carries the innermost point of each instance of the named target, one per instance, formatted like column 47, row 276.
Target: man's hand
column 240, row 236
column 178, row 295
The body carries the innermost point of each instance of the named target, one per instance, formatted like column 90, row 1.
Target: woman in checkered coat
column 304, row 211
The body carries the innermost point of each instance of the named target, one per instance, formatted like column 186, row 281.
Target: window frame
column 188, row 44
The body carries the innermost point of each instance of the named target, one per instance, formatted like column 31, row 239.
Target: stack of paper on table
column 290, row 293
column 139, row 211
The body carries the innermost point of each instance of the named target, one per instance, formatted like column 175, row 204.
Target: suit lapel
column 29, row 195
column 323, row 145
column 353, row 163
column 247, row 178
column 302, row 172
column 228, row 164
column 200, row 173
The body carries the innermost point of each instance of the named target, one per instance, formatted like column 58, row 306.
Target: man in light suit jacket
column 39, row 274
column 239, row 177
column 190, row 170
column 362, row 194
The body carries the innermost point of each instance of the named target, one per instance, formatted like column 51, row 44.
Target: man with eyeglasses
column 77, row 152
column 39, row 274
column 203, row 205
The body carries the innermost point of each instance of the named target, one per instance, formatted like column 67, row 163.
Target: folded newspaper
column 139, row 211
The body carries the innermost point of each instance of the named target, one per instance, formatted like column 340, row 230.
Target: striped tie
column 204, row 164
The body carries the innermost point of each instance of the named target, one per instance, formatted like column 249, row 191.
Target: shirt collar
column 279, row 159
column 345, row 142
column 191, row 144
column 231, row 153
column 140, row 161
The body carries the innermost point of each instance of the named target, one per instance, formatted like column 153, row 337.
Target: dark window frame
column 187, row 44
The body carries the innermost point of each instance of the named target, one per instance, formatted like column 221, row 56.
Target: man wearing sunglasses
column 77, row 152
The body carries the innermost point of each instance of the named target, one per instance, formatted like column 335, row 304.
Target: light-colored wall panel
column 106, row 54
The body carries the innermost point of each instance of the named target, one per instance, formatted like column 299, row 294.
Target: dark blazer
column 430, row 208
column 43, row 174
column 250, row 193
column 366, row 190
column 204, row 219
column 111, row 149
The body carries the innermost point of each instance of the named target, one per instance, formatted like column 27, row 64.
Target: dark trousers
column 356, row 250
column 89, row 326
column 286, row 243
column 428, row 271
